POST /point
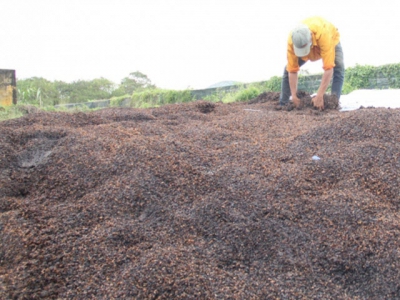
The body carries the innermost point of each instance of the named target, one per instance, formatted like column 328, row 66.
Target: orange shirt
column 325, row 37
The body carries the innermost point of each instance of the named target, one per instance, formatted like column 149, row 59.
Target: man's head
column 302, row 40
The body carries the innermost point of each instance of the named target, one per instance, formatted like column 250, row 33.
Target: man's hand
column 296, row 101
column 318, row 102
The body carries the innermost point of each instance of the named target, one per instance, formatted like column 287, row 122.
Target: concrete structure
column 8, row 91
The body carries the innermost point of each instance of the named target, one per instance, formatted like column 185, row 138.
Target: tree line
column 138, row 87
column 42, row 92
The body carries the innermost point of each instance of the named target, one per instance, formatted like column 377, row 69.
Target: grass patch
column 10, row 112
column 157, row 97
column 20, row 110
column 242, row 93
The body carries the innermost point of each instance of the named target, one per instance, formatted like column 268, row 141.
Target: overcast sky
column 182, row 44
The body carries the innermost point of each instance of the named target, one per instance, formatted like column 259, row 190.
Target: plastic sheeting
column 370, row 98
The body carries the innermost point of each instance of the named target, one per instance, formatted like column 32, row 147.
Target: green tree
column 135, row 82
column 37, row 91
column 83, row 90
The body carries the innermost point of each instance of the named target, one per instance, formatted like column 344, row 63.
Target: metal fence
column 307, row 83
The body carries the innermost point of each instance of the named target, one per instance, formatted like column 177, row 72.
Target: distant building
column 8, row 87
column 223, row 84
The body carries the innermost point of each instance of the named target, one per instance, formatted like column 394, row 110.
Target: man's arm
column 318, row 100
column 293, row 80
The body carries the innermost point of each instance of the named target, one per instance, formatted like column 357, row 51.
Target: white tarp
column 367, row 98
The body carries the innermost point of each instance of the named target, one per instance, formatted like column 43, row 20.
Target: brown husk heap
column 201, row 201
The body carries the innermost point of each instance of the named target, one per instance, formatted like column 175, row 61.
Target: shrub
column 157, row 97
column 247, row 94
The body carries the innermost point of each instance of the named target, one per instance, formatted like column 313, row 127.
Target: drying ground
column 201, row 201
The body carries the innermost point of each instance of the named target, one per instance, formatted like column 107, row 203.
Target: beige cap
column 302, row 41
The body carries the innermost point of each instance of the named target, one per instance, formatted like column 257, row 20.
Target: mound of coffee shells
column 201, row 201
